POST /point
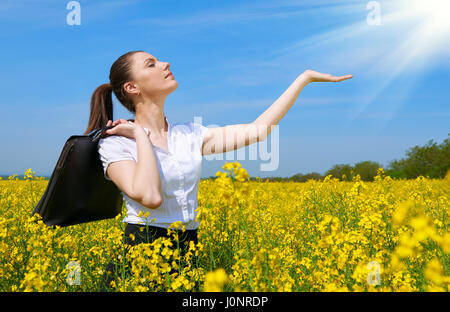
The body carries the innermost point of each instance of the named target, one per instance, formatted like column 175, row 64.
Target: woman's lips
column 169, row 75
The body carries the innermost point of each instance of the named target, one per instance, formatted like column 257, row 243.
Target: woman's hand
column 115, row 123
column 313, row 76
column 122, row 127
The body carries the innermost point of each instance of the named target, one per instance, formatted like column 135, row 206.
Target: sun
column 422, row 42
column 436, row 12
column 410, row 39
column 434, row 16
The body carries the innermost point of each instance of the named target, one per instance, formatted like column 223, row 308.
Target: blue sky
column 232, row 59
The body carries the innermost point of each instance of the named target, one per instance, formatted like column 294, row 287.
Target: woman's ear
column 131, row 88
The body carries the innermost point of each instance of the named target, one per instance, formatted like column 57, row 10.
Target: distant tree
column 367, row 170
column 337, row 171
column 299, row 177
column 275, row 179
column 431, row 161
column 312, row 176
column 396, row 169
column 296, row 177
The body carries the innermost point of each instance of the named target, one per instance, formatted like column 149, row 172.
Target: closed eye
column 151, row 65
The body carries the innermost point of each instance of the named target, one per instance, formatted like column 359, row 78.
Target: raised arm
column 232, row 137
column 228, row 138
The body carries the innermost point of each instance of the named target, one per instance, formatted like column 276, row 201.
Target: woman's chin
column 174, row 86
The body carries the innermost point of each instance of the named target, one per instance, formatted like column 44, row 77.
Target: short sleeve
column 111, row 149
column 199, row 133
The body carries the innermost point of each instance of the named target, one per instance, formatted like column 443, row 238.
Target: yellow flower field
column 386, row 235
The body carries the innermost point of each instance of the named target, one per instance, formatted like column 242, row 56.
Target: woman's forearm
column 147, row 181
column 272, row 115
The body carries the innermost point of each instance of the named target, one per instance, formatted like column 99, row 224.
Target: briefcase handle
column 97, row 133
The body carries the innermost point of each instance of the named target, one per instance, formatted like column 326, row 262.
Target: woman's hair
column 101, row 101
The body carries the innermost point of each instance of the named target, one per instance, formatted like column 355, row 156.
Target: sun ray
column 412, row 38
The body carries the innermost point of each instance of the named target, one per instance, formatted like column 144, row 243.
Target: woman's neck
column 151, row 117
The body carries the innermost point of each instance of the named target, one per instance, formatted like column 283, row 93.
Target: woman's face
column 151, row 76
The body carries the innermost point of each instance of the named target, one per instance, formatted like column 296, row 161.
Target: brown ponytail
column 101, row 100
column 101, row 107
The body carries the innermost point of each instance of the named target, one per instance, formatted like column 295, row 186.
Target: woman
column 156, row 164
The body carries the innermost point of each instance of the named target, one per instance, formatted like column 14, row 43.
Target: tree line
column 431, row 160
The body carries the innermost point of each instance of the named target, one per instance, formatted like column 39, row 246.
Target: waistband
column 158, row 228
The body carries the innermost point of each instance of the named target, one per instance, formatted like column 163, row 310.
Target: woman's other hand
column 122, row 127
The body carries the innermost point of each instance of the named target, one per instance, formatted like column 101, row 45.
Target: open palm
column 314, row 76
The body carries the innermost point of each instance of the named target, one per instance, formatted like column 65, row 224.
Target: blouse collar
column 168, row 137
column 168, row 126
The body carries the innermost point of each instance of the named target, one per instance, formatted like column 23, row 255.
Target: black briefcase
column 77, row 191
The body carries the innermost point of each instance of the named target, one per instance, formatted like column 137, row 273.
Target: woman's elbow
column 152, row 202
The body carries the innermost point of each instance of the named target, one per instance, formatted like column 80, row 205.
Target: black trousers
column 146, row 234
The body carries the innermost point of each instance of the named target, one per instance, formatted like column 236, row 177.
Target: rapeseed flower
column 312, row 236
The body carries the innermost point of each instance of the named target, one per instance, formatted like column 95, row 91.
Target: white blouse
column 179, row 168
